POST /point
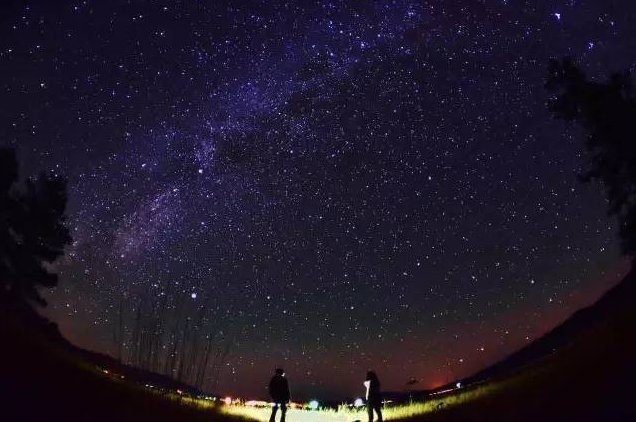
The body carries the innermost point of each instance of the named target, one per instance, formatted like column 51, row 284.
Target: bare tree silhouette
column 173, row 339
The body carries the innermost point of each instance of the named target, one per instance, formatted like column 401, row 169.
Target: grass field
column 346, row 413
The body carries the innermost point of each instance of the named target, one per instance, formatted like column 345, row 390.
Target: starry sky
column 344, row 185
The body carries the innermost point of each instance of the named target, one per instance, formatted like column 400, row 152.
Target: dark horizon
column 342, row 186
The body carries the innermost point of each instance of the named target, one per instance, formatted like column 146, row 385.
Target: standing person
column 279, row 392
column 374, row 396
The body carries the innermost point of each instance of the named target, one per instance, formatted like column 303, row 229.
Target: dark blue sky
column 343, row 185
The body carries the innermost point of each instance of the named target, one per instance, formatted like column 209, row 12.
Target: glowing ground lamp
column 313, row 405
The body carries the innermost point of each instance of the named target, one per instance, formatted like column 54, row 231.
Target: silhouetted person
column 279, row 392
column 374, row 396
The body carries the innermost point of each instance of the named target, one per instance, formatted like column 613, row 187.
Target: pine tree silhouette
column 33, row 233
column 607, row 111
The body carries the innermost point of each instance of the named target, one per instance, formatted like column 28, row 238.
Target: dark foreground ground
column 592, row 377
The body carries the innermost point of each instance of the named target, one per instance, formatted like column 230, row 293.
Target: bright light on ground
column 348, row 413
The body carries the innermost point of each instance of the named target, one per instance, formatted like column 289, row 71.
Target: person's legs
column 378, row 410
column 283, row 411
column 274, row 409
column 370, row 411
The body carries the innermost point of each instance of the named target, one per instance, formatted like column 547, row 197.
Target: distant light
column 313, row 405
column 256, row 403
column 193, row 295
column 458, row 385
column 358, row 402
column 557, row 15
column 227, row 400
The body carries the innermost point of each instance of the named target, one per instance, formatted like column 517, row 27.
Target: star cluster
column 345, row 184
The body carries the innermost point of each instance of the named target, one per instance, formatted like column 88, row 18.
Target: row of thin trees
column 172, row 336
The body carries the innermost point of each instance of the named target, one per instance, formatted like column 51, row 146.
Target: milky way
column 347, row 185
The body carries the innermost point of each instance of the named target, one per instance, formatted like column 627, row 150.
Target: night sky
column 346, row 185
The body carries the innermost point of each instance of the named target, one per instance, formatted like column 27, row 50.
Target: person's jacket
column 279, row 389
column 374, row 390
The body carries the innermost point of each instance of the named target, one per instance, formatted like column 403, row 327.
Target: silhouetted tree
column 33, row 233
column 171, row 337
column 118, row 331
column 607, row 111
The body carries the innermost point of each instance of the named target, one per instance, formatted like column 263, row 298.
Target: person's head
column 371, row 376
column 280, row 372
